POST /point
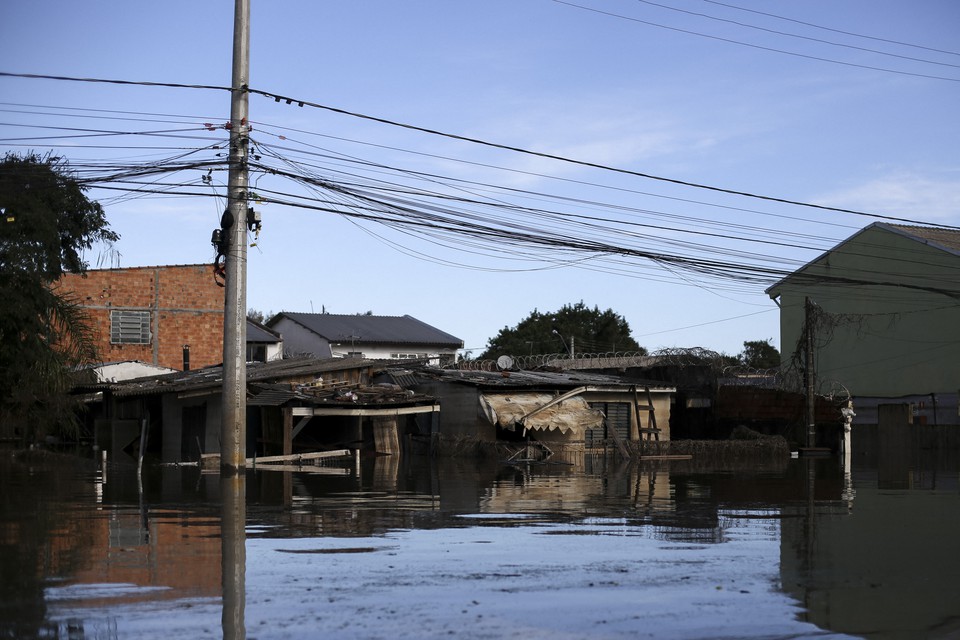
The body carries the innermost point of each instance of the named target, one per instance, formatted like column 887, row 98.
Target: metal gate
column 617, row 417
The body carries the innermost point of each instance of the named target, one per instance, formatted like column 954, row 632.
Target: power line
column 795, row 35
column 846, row 33
column 755, row 46
column 505, row 147
column 704, row 324
column 141, row 83
column 583, row 163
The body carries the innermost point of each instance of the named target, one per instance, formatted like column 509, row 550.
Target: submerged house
column 569, row 411
column 303, row 403
column 327, row 335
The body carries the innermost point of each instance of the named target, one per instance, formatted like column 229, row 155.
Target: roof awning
column 540, row 411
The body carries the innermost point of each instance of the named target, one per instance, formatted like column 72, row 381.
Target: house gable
column 884, row 255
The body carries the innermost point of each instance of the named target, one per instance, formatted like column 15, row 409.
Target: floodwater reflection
column 423, row 547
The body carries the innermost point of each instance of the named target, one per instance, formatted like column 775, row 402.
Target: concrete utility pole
column 233, row 429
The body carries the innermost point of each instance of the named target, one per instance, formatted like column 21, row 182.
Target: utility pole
column 809, row 373
column 233, row 428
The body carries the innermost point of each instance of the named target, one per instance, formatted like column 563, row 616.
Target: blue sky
column 701, row 92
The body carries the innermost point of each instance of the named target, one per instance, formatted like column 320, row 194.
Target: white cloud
column 903, row 194
column 610, row 132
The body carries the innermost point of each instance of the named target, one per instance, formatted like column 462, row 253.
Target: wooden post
column 287, row 431
column 385, row 436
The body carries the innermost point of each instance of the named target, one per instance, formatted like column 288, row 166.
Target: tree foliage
column 759, row 354
column 259, row 316
column 46, row 225
column 584, row 329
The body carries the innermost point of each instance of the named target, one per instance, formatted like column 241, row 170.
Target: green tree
column 46, row 225
column 584, row 329
column 759, row 354
column 259, row 316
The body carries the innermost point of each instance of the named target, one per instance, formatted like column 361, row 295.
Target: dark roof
column 257, row 332
column 211, row 377
column 362, row 329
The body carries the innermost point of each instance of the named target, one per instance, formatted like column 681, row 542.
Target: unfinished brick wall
column 185, row 305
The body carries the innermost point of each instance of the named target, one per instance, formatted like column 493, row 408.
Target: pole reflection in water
column 233, row 490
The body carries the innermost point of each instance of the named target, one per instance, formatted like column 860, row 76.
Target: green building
column 885, row 311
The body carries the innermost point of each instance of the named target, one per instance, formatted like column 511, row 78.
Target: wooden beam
column 363, row 411
column 300, row 457
column 300, row 425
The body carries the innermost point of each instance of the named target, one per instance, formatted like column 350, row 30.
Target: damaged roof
column 211, row 377
column 376, row 395
column 509, row 380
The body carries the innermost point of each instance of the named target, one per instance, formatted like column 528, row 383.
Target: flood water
column 430, row 548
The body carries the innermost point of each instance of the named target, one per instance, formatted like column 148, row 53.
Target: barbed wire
column 788, row 377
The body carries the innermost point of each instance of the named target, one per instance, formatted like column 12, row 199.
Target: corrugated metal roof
column 210, row 377
column 362, row 329
column 271, row 395
column 528, row 379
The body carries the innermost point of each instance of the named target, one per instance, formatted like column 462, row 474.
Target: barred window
column 129, row 327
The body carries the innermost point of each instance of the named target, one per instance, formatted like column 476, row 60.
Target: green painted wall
column 883, row 338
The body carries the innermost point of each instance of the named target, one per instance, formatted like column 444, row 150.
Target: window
column 129, row 327
column 256, row 352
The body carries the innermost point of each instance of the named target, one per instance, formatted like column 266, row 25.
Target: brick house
column 169, row 316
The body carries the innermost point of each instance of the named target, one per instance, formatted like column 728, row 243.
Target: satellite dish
column 504, row 362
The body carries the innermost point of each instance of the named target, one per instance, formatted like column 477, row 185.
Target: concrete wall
column 185, row 305
column 298, row 340
column 891, row 340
